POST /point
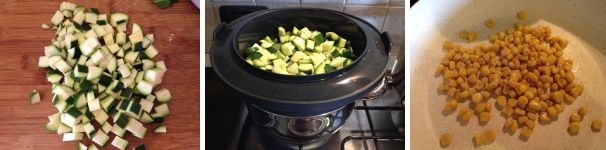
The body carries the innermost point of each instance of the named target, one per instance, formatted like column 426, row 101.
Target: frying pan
column 581, row 22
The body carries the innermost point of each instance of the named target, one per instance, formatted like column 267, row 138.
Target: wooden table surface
column 22, row 42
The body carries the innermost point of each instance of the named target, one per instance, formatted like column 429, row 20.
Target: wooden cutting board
column 22, row 41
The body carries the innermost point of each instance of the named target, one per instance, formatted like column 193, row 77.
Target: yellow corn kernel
column 485, row 95
column 447, row 106
column 580, row 87
column 513, row 126
column 502, row 101
column 575, row 117
column 445, row 139
column 522, row 15
column 501, row 36
column 487, row 107
column 454, row 104
column 534, row 105
column 490, row 23
column 478, row 138
column 583, row 111
column 489, row 135
column 512, row 102
column 557, row 96
column 465, row 93
column 509, row 122
column 551, row 111
column 472, row 36
column 574, row 92
column 448, row 44
column 462, row 111
column 522, row 119
column 526, row 132
column 563, row 43
column 530, row 124
column 477, row 97
column 531, row 116
column 520, row 112
column 463, row 34
column 485, row 116
column 597, row 124
column 440, row 68
column 569, row 98
column 574, row 126
column 441, row 87
column 522, row 101
column 507, row 111
column 452, row 91
column 494, row 38
column 479, row 108
column 543, row 116
column 467, row 115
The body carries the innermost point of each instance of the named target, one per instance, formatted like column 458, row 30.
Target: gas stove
column 371, row 126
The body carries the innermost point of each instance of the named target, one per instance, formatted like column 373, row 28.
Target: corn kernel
column 489, row 135
column 543, row 116
column 526, row 132
column 534, row 105
column 522, row 101
column 583, row 111
column 462, row 111
column 487, row 107
column 597, row 124
column 520, row 112
column 513, row 126
column 472, row 36
column 467, row 115
column 522, row 119
column 448, row 44
column 531, row 116
column 574, row 126
column 502, row 101
column 507, row 111
column 552, row 112
column 478, row 138
column 530, row 124
column 575, row 117
column 485, row 116
column 522, row 15
column 476, row 98
column 512, row 102
column 445, row 139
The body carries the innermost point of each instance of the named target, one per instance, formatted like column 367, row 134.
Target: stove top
column 370, row 127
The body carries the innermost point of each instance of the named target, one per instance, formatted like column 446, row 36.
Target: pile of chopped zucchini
column 301, row 52
column 101, row 75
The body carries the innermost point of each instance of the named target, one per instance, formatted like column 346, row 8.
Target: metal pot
column 300, row 130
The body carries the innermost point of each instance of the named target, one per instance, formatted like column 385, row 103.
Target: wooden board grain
column 22, row 42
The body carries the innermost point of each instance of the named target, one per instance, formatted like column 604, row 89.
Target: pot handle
column 219, row 30
column 386, row 39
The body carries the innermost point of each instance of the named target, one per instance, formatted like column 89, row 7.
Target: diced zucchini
column 101, row 138
column 160, row 129
column 34, row 97
column 120, row 143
